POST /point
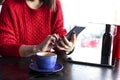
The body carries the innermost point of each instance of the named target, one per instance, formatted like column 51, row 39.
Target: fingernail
column 73, row 32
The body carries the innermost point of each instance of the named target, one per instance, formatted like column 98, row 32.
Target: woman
column 30, row 26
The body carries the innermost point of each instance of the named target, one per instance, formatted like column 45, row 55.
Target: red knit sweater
column 19, row 24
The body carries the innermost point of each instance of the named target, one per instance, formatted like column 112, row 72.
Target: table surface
column 18, row 69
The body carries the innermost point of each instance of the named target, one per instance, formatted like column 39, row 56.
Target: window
column 93, row 14
column 86, row 11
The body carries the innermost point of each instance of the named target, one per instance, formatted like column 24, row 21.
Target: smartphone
column 76, row 29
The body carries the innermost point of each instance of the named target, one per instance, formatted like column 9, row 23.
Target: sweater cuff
column 18, row 50
column 10, row 50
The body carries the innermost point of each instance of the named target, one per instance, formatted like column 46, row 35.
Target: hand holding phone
column 62, row 45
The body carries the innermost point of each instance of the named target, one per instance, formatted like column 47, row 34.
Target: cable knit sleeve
column 8, row 41
column 58, row 21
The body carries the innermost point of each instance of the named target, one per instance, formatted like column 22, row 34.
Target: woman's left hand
column 67, row 45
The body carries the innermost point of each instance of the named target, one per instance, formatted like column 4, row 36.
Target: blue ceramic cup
column 46, row 60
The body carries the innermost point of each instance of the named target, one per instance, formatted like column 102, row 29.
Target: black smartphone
column 76, row 29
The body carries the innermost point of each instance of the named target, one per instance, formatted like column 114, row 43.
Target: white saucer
column 33, row 66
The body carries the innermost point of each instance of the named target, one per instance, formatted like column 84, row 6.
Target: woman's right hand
column 48, row 43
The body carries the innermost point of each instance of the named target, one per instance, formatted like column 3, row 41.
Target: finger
column 53, row 38
column 51, row 46
column 63, row 44
column 56, row 36
column 66, row 41
column 73, row 37
column 60, row 47
column 50, row 40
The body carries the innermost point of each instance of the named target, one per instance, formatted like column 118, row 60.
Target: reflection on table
column 18, row 69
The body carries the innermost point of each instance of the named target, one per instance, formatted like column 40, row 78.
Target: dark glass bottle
column 106, row 45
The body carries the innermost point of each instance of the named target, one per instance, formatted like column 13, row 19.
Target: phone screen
column 76, row 29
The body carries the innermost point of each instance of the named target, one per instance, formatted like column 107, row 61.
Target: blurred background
column 94, row 15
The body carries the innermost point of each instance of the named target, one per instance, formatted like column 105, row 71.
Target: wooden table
column 18, row 69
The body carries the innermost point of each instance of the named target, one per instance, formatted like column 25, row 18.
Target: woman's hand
column 67, row 45
column 48, row 43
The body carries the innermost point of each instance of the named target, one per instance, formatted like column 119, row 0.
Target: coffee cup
column 46, row 60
